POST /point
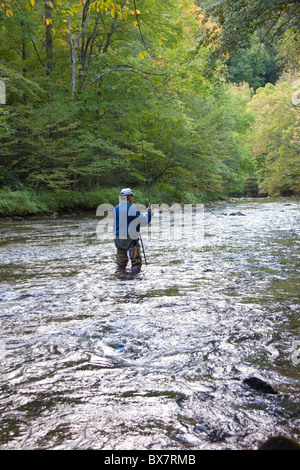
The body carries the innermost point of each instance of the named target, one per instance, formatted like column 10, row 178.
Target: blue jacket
column 127, row 221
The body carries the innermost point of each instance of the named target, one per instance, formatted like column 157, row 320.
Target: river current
column 94, row 359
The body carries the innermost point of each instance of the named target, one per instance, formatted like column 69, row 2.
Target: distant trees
column 274, row 138
column 259, row 40
column 255, row 65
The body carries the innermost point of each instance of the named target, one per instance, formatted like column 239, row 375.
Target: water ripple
column 94, row 359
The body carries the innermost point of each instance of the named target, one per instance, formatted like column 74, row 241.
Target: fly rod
column 143, row 249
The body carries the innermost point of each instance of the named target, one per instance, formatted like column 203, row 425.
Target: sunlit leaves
column 143, row 55
column 7, row 8
column 104, row 6
column 155, row 63
column 71, row 8
column 161, row 41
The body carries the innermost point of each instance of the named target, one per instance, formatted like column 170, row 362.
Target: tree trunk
column 24, row 57
column 73, row 49
column 48, row 26
column 23, row 48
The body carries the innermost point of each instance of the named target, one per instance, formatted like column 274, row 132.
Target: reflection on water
column 95, row 360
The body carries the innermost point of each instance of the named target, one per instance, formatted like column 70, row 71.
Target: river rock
column 279, row 443
column 259, row 385
column 237, row 213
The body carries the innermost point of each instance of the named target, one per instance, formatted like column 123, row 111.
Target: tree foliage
column 101, row 94
column 255, row 65
column 275, row 138
column 240, row 19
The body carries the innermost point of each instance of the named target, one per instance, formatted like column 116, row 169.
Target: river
column 95, row 359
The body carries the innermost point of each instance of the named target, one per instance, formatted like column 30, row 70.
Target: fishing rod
column 141, row 235
column 146, row 186
column 143, row 249
column 140, row 232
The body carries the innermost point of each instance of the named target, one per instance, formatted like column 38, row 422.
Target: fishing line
column 147, row 183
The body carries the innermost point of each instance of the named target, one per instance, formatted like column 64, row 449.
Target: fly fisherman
column 127, row 222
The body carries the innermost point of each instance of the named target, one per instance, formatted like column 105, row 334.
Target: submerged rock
column 259, row 385
column 279, row 443
column 237, row 213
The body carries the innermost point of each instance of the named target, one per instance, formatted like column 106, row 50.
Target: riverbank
column 27, row 203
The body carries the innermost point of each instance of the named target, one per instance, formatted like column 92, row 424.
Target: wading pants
column 134, row 254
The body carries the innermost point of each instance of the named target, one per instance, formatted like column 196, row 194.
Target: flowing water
column 93, row 359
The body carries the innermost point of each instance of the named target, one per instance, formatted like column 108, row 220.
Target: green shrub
column 20, row 203
column 71, row 201
column 26, row 202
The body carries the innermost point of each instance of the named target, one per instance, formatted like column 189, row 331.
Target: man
column 127, row 222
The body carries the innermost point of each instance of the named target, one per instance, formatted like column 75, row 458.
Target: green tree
column 117, row 95
column 254, row 65
column 239, row 19
column 275, row 139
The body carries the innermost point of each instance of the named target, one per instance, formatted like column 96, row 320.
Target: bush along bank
column 26, row 203
column 20, row 203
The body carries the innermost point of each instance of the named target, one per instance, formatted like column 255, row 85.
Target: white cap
column 126, row 192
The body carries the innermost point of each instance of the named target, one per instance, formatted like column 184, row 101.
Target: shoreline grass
column 26, row 203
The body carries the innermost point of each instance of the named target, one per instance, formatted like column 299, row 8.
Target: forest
column 182, row 101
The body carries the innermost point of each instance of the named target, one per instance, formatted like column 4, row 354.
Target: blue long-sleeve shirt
column 127, row 221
